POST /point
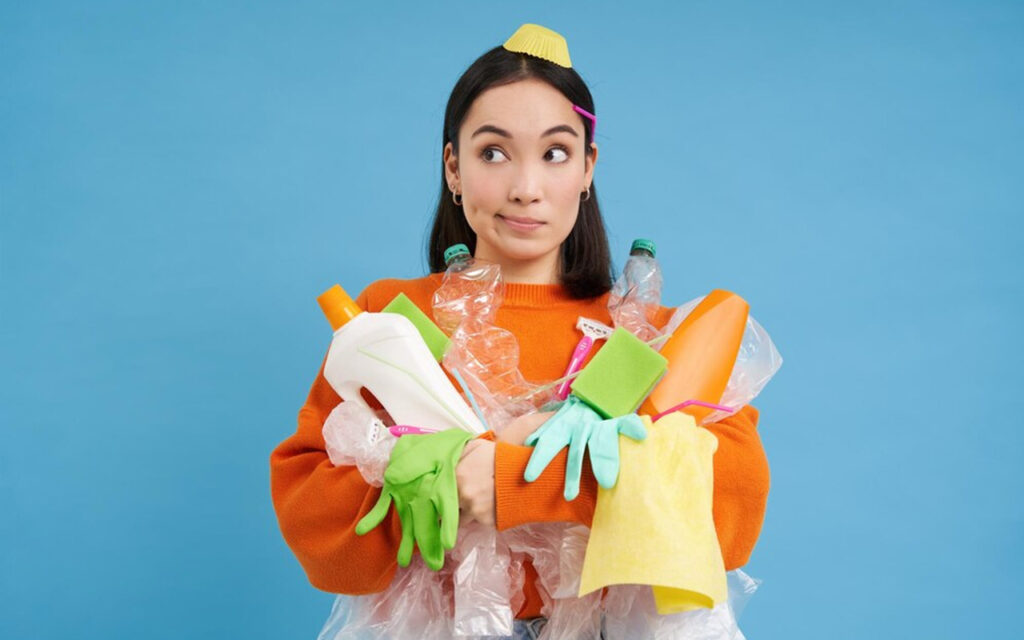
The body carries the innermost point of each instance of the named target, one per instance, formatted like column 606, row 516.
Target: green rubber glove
column 581, row 428
column 420, row 480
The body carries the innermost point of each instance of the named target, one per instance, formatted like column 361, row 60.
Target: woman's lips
column 522, row 224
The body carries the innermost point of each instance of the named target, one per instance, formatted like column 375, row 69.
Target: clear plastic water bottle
column 470, row 287
column 485, row 355
column 636, row 294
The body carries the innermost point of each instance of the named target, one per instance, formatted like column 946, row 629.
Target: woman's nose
column 526, row 184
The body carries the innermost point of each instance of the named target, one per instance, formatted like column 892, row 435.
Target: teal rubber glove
column 420, row 481
column 581, row 428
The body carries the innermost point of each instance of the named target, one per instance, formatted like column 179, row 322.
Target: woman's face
column 521, row 171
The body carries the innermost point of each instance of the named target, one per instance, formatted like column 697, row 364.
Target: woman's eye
column 560, row 154
column 488, row 154
column 494, row 154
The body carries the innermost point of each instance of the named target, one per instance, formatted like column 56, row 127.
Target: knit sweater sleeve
column 741, row 482
column 319, row 504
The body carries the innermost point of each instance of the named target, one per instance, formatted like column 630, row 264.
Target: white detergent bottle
column 385, row 353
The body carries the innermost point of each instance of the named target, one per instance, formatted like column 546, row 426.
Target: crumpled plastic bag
column 415, row 605
column 483, row 583
column 354, row 435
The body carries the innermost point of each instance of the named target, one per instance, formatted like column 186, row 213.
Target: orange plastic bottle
column 701, row 354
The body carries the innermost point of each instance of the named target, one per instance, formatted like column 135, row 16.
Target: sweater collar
column 518, row 294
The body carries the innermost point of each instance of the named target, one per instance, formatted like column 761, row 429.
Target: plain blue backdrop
column 179, row 181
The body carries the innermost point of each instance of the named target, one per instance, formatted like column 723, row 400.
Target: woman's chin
column 525, row 250
column 502, row 247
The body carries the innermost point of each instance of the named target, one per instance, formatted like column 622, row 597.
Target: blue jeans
column 528, row 629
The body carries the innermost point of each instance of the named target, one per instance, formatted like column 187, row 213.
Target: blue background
column 178, row 182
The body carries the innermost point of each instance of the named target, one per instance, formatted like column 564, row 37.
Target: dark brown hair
column 585, row 260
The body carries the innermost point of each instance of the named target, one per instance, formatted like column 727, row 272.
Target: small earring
column 458, row 203
column 587, row 196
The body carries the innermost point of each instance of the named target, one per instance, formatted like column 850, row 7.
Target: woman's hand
column 517, row 430
column 474, row 476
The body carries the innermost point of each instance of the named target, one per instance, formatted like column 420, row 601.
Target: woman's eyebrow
column 488, row 128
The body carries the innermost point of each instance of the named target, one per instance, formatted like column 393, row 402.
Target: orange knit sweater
column 318, row 504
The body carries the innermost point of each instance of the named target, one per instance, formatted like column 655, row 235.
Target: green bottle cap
column 642, row 244
column 454, row 252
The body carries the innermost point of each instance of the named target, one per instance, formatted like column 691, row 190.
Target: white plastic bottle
column 385, row 353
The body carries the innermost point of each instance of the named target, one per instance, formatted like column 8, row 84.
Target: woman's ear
column 590, row 159
column 451, row 166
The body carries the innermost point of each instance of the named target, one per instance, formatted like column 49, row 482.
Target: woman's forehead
column 528, row 108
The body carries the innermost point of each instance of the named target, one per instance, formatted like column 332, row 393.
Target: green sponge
column 432, row 335
column 620, row 376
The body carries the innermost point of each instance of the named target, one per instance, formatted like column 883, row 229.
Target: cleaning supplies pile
column 657, row 558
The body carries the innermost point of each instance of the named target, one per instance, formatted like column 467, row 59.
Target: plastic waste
column 757, row 361
column 385, row 353
column 636, row 295
column 470, row 287
column 485, row 356
column 483, row 583
column 701, row 353
column 592, row 331
column 475, row 593
column 354, row 435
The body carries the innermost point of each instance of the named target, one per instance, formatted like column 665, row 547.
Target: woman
column 517, row 188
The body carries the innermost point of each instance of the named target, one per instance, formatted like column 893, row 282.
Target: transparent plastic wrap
column 556, row 551
column 629, row 612
column 355, row 435
column 472, row 597
column 626, row 611
column 757, row 361
column 415, row 605
column 483, row 583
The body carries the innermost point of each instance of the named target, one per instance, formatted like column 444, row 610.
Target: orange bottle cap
column 338, row 306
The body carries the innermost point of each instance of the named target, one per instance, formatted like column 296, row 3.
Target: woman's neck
column 541, row 270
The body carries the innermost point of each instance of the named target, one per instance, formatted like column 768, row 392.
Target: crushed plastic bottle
column 636, row 294
column 485, row 355
column 469, row 288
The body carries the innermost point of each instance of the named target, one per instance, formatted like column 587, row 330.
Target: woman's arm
column 740, row 487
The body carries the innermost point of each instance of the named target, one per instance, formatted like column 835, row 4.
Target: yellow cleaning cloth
column 655, row 526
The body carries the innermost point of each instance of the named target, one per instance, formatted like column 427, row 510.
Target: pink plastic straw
column 688, row 403
column 400, row 430
column 586, row 114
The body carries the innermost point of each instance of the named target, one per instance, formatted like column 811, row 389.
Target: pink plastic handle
column 583, row 347
column 586, row 114
column 400, row 430
column 688, row 403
